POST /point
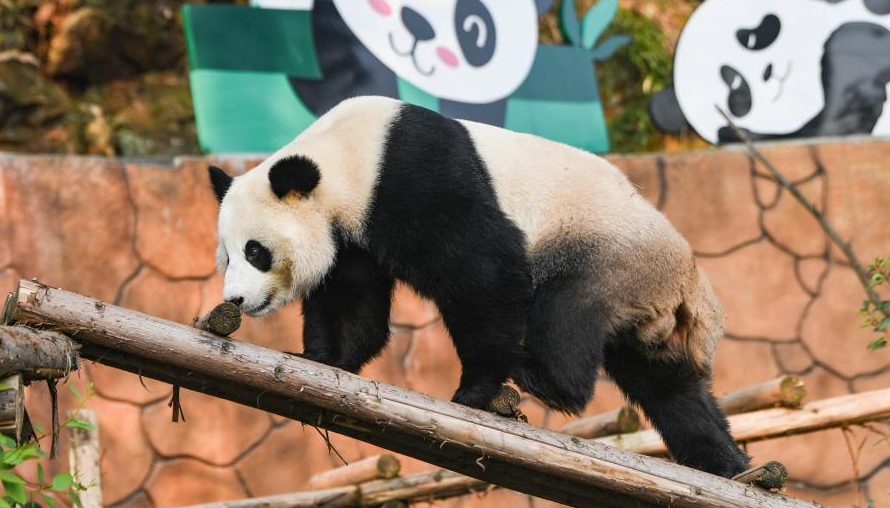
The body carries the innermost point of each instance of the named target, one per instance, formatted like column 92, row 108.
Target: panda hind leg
column 564, row 345
column 676, row 397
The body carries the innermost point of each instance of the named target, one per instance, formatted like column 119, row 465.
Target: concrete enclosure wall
column 142, row 236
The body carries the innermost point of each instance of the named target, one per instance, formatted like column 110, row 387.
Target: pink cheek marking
column 446, row 56
column 381, row 7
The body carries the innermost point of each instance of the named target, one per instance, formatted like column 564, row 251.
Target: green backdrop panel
column 250, row 39
column 239, row 111
column 579, row 124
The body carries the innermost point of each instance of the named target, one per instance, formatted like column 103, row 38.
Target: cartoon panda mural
column 544, row 260
column 470, row 54
column 259, row 75
column 781, row 69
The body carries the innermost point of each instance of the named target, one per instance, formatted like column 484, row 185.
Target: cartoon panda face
column 474, row 51
column 758, row 60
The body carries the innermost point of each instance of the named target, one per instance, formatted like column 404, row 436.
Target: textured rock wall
column 142, row 236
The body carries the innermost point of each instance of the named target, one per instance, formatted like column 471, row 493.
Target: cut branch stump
column 378, row 467
column 496, row 450
column 785, row 391
column 623, row 420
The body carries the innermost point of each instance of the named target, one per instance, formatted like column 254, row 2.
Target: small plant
column 19, row 492
column 876, row 315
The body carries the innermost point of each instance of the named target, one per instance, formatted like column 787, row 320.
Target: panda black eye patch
column 761, row 37
column 258, row 255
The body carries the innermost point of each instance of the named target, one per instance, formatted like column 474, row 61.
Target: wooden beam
column 785, row 391
column 778, row 422
column 421, row 487
column 497, row 450
column 83, row 458
column 36, row 354
column 377, row 467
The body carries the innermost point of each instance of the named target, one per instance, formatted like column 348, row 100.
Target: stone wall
column 142, row 236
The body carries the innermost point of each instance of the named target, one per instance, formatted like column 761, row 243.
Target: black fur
column 220, row 182
column 677, row 400
column 346, row 319
column 293, row 174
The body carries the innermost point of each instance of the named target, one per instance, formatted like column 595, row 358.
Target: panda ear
column 543, row 6
column 220, row 182
column 294, row 174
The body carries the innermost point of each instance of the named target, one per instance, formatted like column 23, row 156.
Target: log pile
column 486, row 448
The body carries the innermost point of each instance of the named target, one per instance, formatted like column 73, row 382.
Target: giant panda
column 544, row 260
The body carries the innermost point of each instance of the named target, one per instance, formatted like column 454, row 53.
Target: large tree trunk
column 508, row 453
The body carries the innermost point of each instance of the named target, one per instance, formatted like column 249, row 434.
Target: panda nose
column 419, row 27
column 238, row 300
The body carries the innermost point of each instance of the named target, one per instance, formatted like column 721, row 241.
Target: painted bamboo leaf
column 568, row 21
column 596, row 20
column 608, row 48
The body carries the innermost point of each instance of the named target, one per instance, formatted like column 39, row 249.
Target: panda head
column 275, row 241
column 758, row 60
column 474, row 51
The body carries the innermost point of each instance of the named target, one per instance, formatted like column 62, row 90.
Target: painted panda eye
column 761, row 37
column 475, row 31
column 739, row 100
column 258, row 256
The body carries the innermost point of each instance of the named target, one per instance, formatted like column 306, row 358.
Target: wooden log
column 378, row 467
column 36, row 354
column 623, row 420
column 786, row 391
column 12, row 407
column 778, row 422
column 497, row 450
column 421, row 487
column 83, row 458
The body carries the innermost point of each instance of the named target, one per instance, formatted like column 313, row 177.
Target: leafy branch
column 875, row 310
column 18, row 491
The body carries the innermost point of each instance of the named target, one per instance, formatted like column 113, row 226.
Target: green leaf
column 608, row 48
column 16, row 492
column 62, row 481
column 75, row 499
column 879, row 343
column 49, row 501
column 8, row 477
column 7, row 441
column 38, row 428
column 883, row 324
column 596, row 20
column 40, row 475
column 76, row 392
column 4, row 503
column 568, row 22
column 74, row 423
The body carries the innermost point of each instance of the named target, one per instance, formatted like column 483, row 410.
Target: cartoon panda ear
column 220, row 182
column 543, row 6
column 665, row 111
column 293, row 174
